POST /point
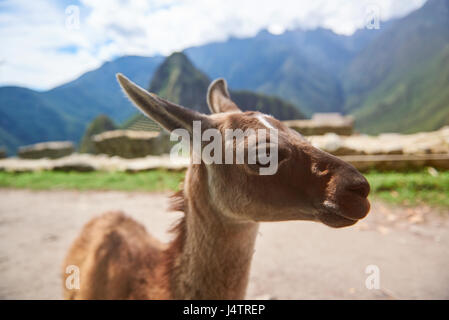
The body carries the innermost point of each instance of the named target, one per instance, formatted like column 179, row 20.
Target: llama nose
column 359, row 186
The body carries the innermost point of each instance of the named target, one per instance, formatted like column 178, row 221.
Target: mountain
column 300, row 66
column 400, row 80
column 97, row 92
column 391, row 79
column 100, row 124
column 28, row 116
column 294, row 66
column 178, row 80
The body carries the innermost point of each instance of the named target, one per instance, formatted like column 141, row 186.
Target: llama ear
column 218, row 98
column 169, row 115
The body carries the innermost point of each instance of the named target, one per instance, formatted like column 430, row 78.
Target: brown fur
column 210, row 256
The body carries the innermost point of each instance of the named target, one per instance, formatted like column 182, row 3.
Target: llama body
column 211, row 253
column 118, row 259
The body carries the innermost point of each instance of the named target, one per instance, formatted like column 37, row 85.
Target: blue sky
column 46, row 43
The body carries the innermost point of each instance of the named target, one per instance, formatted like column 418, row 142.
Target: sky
column 46, row 43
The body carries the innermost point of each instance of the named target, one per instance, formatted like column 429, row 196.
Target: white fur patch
column 264, row 121
column 330, row 205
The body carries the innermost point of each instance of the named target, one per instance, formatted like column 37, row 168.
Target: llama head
column 261, row 170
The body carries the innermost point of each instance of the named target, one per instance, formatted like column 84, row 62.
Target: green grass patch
column 409, row 188
column 156, row 180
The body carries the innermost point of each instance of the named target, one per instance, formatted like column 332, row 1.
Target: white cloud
column 36, row 43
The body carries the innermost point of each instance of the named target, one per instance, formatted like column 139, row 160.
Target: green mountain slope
column 392, row 79
column 399, row 81
column 415, row 101
column 179, row 81
column 272, row 105
column 28, row 116
column 97, row 92
column 100, row 124
column 303, row 67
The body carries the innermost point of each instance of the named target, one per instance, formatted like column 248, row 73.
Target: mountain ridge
column 391, row 79
column 402, row 87
column 64, row 112
column 179, row 81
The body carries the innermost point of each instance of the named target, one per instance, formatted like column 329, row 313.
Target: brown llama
column 223, row 205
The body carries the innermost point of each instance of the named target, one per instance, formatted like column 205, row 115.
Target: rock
column 132, row 144
column 87, row 162
column 334, row 144
column 434, row 142
column 14, row 164
column 99, row 125
column 322, row 123
column 422, row 143
column 3, row 153
column 73, row 166
column 157, row 162
column 402, row 162
column 51, row 150
column 383, row 152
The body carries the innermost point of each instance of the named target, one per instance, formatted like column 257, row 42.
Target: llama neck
column 215, row 257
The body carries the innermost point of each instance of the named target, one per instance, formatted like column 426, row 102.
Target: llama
column 223, row 205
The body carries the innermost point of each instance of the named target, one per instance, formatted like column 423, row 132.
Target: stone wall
column 384, row 152
column 434, row 142
column 52, row 150
column 88, row 162
column 132, row 144
column 322, row 123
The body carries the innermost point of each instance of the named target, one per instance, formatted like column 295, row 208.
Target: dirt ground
column 293, row 260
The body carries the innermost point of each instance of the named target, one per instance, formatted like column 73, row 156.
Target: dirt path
column 293, row 260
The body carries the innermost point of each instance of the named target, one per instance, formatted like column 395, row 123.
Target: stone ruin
column 389, row 151
column 132, row 144
column 422, row 143
column 322, row 123
column 51, row 150
column 131, row 150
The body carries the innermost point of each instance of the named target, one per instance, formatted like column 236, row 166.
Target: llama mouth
column 333, row 219
column 346, row 214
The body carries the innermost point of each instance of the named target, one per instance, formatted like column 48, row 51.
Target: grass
column 156, row 180
column 410, row 188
